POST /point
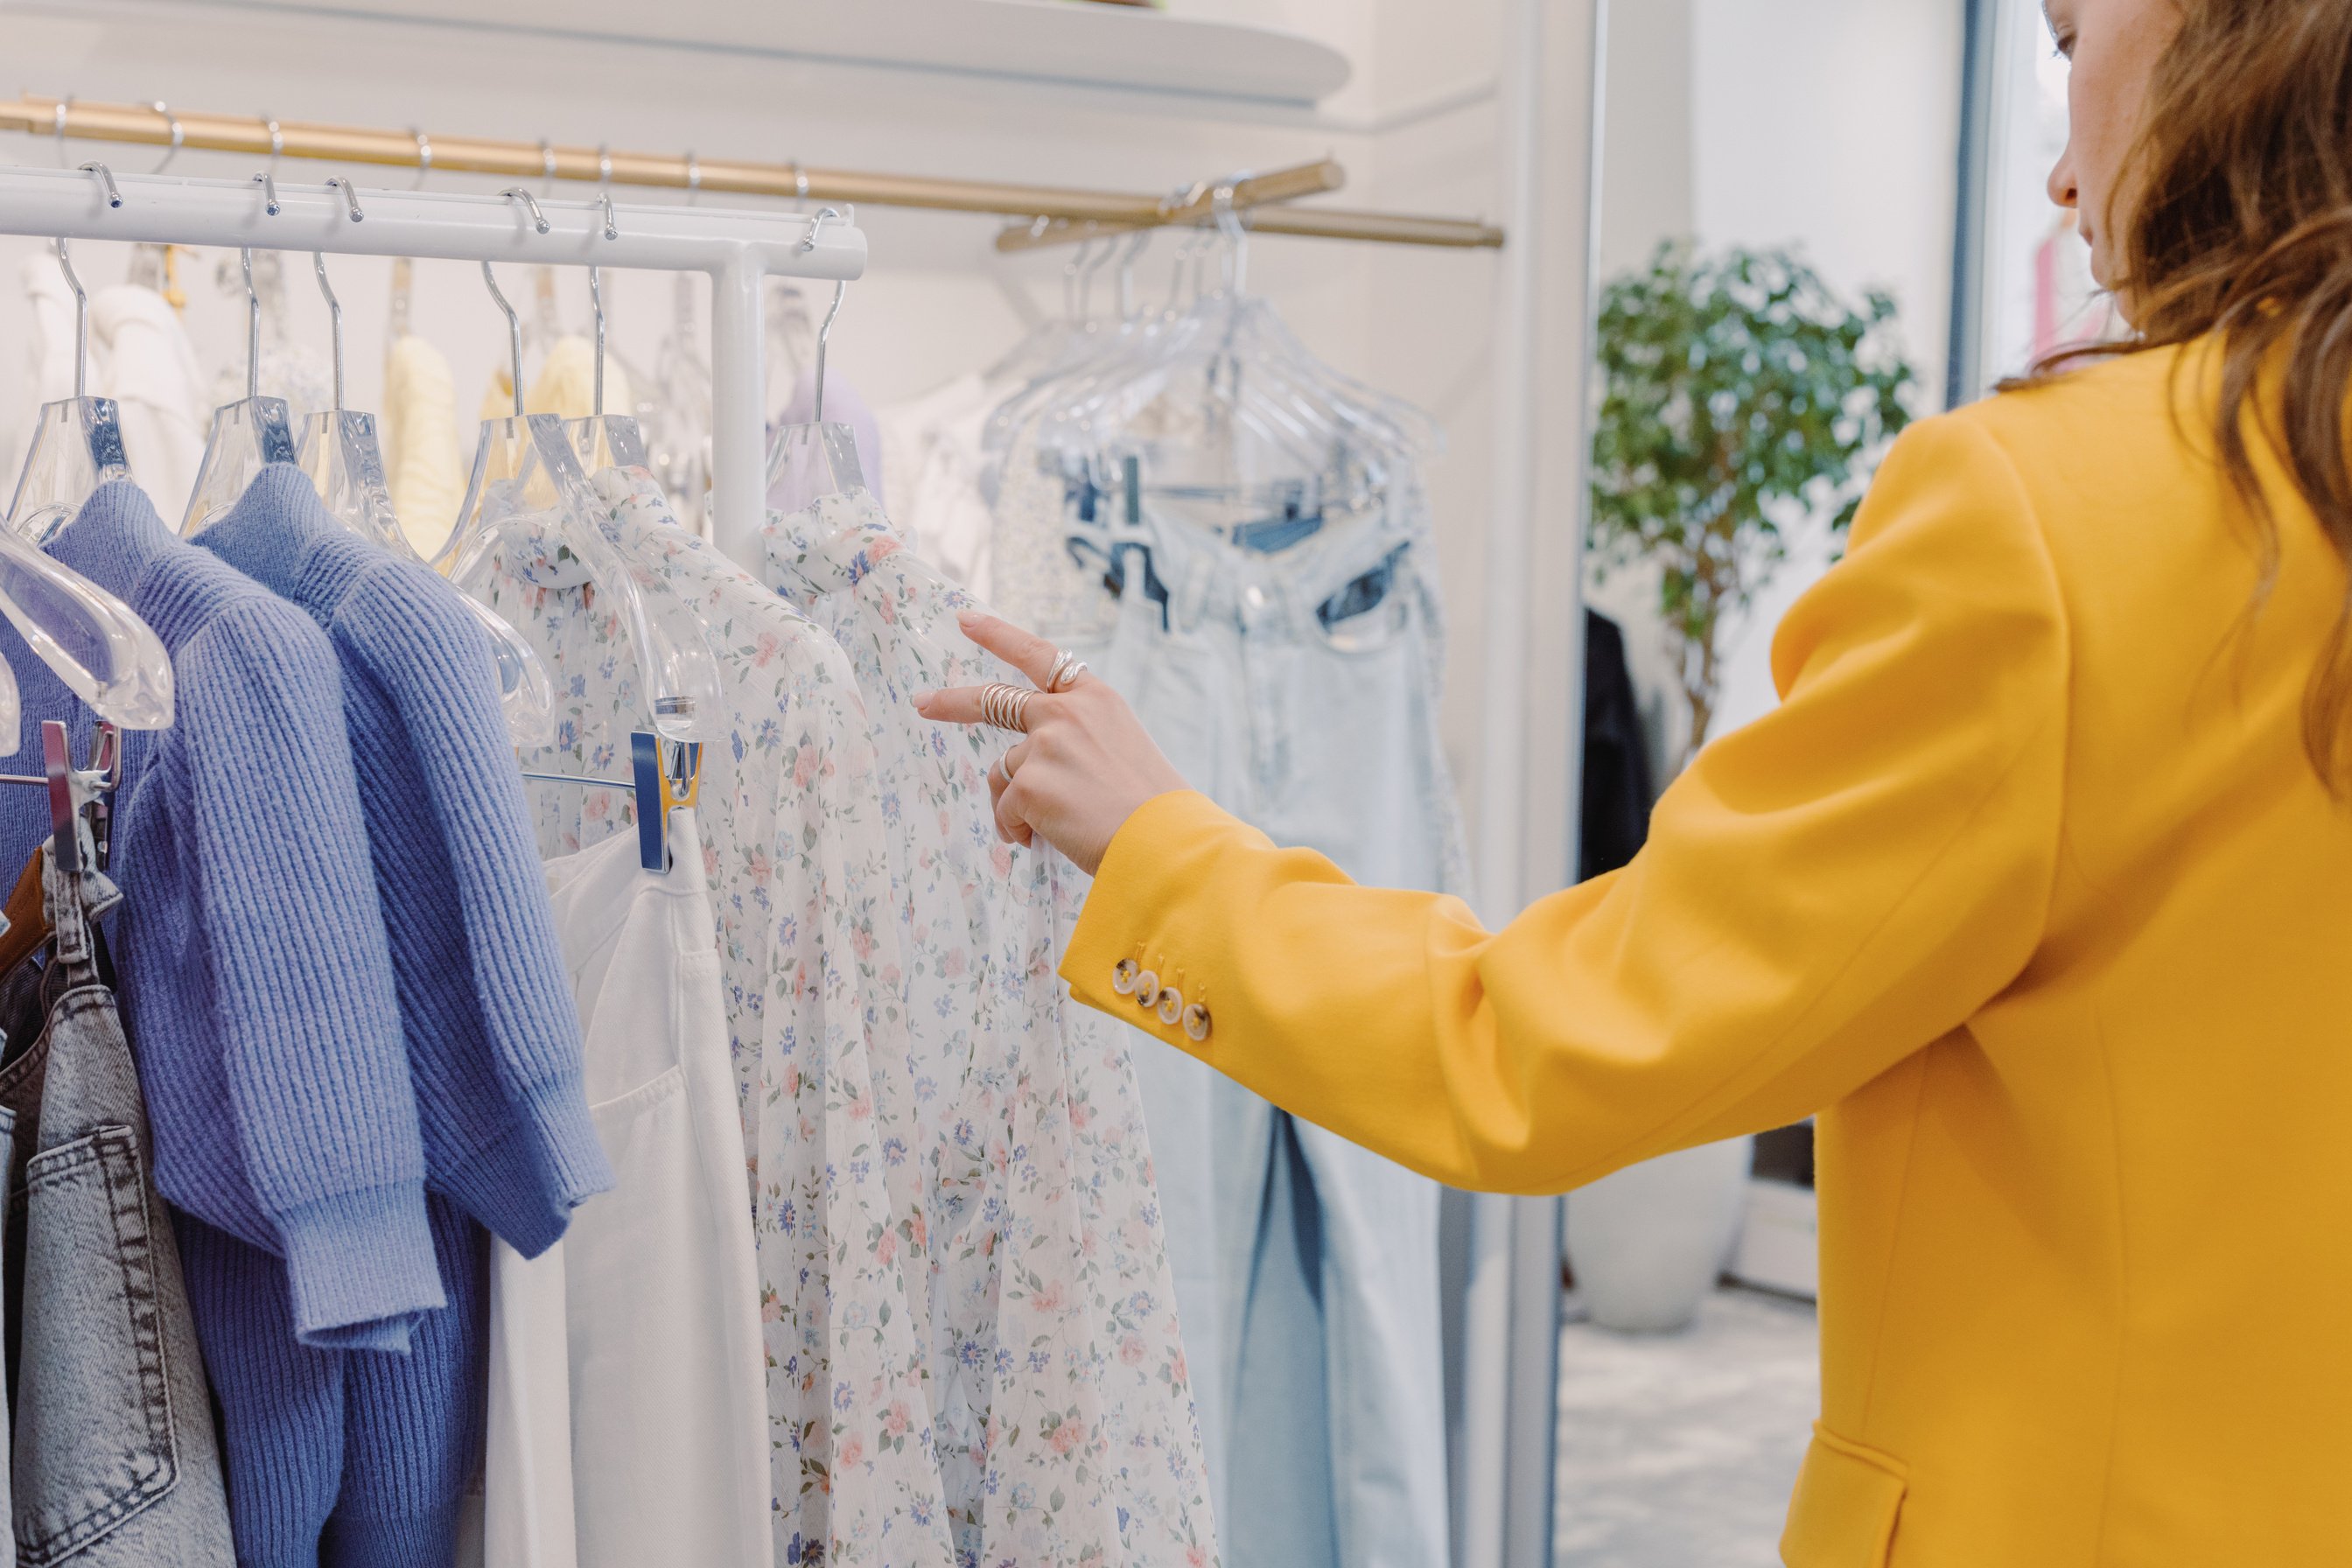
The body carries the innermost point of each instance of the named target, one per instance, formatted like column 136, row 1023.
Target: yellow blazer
column 2028, row 890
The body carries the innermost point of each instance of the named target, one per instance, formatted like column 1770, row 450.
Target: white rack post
column 736, row 249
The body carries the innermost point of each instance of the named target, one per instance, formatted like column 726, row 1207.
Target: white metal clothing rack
column 736, row 249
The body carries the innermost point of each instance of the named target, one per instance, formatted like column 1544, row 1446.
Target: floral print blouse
column 1065, row 1423
column 794, row 852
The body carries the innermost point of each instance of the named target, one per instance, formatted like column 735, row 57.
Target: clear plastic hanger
column 103, row 652
column 529, row 490
column 606, row 440
column 1266, row 427
column 247, row 435
column 77, row 441
column 808, row 461
column 1082, row 346
column 339, row 449
column 1049, row 345
column 341, row 455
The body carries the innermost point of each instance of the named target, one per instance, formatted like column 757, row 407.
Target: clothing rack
column 1068, row 214
column 737, row 249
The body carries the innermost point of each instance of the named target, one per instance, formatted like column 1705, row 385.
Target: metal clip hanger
column 661, row 783
column 76, row 792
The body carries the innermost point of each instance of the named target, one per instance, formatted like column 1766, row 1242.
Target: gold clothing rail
column 1068, row 214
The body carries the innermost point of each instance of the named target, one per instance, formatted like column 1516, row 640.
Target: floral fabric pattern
column 1064, row 1424
column 794, row 853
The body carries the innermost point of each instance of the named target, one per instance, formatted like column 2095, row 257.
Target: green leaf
column 1739, row 393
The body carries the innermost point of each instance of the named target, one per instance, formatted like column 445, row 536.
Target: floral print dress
column 1066, row 1428
column 799, row 876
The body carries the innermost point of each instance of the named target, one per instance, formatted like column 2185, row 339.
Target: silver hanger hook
column 57, row 113
column 605, row 193
column 546, row 164
column 268, row 178
column 825, row 335
column 808, row 240
column 530, row 204
column 423, row 155
column 1070, row 270
column 350, row 195
column 1135, row 249
column 1236, row 236
column 596, row 309
column 106, row 179
column 335, row 323
column 179, row 136
column 800, row 186
column 252, row 324
column 514, row 334
column 693, row 177
column 1101, row 258
column 81, row 322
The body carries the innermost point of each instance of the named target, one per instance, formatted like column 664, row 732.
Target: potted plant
column 1741, row 400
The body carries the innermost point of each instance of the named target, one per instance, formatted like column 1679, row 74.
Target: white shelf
column 1060, row 41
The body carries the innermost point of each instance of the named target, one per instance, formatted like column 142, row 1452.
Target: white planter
column 1648, row 1242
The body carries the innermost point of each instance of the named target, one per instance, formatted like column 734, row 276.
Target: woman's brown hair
column 2239, row 224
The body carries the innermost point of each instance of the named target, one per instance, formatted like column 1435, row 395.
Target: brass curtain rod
column 1107, row 211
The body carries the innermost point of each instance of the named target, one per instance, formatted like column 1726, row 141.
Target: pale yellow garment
column 498, row 399
column 2028, row 890
column 420, row 438
column 565, row 385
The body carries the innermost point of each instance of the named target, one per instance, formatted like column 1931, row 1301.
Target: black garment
column 1617, row 793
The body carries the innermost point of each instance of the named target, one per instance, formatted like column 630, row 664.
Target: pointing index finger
column 1030, row 654
column 958, row 705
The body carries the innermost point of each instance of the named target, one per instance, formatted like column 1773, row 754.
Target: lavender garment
column 842, row 405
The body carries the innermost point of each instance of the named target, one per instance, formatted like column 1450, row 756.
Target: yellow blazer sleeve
column 1823, row 893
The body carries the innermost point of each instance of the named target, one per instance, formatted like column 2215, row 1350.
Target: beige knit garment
column 420, row 434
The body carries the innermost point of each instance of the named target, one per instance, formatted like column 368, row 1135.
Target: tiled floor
column 1678, row 1450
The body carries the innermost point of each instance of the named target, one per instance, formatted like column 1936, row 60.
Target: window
column 2024, row 287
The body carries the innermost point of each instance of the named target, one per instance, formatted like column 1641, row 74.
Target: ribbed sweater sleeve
column 319, row 1079
column 439, row 678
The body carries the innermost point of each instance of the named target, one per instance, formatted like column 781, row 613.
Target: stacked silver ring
column 1067, row 668
column 1006, row 706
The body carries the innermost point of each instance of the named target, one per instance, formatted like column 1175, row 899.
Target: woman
column 2037, row 888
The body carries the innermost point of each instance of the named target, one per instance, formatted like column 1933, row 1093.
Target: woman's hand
column 1084, row 765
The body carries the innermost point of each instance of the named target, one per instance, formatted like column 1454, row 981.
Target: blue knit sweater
column 256, row 984
column 370, row 1455
column 493, row 1033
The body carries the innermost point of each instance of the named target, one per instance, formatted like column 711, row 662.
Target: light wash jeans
column 115, row 1464
column 1297, row 689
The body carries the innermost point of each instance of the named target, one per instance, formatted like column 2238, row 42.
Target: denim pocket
column 93, row 1433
